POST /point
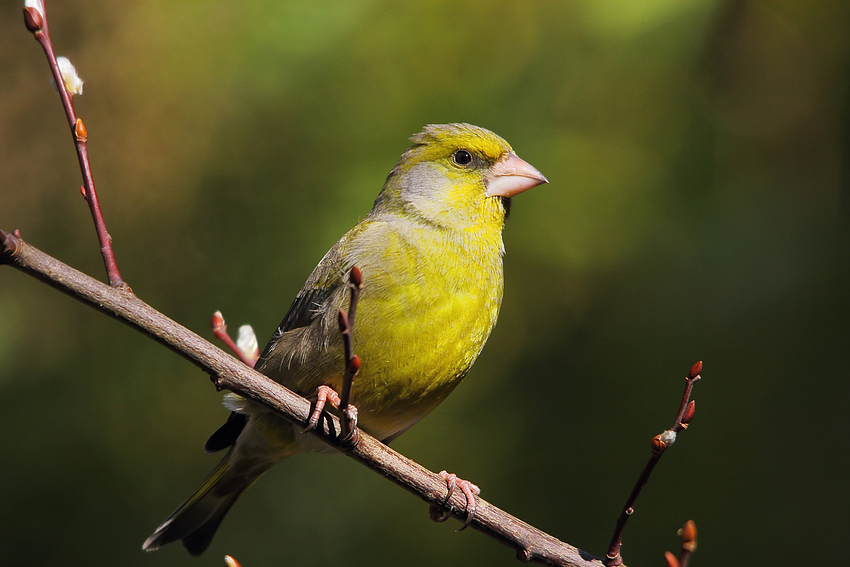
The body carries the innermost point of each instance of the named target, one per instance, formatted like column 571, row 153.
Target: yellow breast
column 428, row 305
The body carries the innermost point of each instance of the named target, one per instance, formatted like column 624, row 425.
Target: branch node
column 216, row 380
column 10, row 244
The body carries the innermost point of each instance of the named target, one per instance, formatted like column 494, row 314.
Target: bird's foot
column 351, row 435
column 324, row 394
column 469, row 490
column 327, row 395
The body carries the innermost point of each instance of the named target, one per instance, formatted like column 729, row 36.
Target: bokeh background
column 698, row 208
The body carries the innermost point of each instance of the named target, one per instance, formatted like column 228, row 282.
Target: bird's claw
column 352, row 434
column 324, row 394
column 469, row 490
column 327, row 395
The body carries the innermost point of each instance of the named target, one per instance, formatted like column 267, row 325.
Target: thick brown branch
column 229, row 373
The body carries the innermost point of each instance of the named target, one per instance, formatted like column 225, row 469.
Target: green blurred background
column 698, row 207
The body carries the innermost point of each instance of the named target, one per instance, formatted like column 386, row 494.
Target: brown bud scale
column 696, row 370
column 689, row 413
column 217, row 321
column 33, row 20
column 80, row 131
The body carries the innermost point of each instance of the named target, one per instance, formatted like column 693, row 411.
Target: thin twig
column 659, row 444
column 37, row 24
column 349, row 433
column 530, row 543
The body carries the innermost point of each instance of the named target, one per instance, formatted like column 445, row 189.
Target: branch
column 660, row 443
column 35, row 19
column 229, row 373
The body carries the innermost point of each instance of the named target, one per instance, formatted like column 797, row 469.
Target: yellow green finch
column 430, row 254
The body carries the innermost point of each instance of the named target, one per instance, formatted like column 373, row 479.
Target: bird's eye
column 462, row 157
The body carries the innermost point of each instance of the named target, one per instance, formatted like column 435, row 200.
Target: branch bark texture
column 229, row 373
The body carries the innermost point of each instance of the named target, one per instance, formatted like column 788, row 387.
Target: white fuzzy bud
column 247, row 341
column 668, row 437
column 73, row 82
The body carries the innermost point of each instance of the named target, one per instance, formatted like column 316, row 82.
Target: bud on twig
column 672, row 560
column 689, row 413
column 217, row 321
column 246, row 341
column 689, row 536
column 355, row 277
column 73, row 82
column 231, row 562
column 658, row 446
column 80, row 132
column 696, row 370
column 34, row 15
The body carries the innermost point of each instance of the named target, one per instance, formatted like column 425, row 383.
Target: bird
column 430, row 254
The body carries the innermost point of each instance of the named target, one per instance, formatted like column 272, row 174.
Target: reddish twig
column 349, row 434
column 659, row 444
column 230, row 561
column 688, row 535
column 219, row 329
column 36, row 22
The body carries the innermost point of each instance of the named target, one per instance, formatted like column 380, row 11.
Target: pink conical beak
column 511, row 176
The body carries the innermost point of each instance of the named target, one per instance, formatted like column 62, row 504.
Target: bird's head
column 457, row 176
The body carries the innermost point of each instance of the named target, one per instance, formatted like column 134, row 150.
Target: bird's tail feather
column 196, row 520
